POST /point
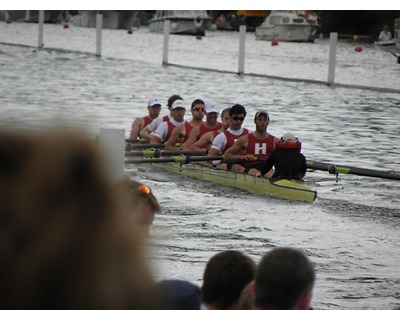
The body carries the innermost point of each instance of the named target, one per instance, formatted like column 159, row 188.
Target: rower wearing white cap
column 164, row 130
column 211, row 124
column 287, row 159
column 249, row 152
column 147, row 132
column 181, row 133
column 154, row 108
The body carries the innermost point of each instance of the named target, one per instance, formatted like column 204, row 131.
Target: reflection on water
column 350, row 232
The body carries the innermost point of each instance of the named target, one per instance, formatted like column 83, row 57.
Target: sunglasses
column 199, row 109
column 238, row 118
column 144, row 189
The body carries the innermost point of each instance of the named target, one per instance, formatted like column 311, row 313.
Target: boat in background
column 112, row 19
column 290, row 26
column 188, row 22
column 392, row 47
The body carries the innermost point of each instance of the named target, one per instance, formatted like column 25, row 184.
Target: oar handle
column 158, row 153
column 178, row 159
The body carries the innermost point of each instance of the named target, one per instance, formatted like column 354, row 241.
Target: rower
column 154, row 108
column 164, row 130
column 146, row 132
column 205, row 141
column 181, row 133
column 249, row 152
column 287, row 159
column 211, row 124
column 224, row 140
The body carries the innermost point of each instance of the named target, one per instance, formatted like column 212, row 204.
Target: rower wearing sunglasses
column 249, row 153
column 227, row 138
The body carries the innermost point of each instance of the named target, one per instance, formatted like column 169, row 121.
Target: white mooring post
column 167, row 26
column 41, row 23
column 112, row 145
column 332, row 58
column 242, row 42
column 99, row 27
column 27, row 15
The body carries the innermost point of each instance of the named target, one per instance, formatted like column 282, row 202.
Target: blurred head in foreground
column 64, row 238
column 284, row 280
column 226, row 274
column 142, row 202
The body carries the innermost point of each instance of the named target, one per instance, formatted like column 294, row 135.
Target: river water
column 351, row 232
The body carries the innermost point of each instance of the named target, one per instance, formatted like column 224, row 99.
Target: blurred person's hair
column 64, row 240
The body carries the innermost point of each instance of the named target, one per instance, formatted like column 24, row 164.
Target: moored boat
column 290, row 26
column 188, row 22
column 392, row 47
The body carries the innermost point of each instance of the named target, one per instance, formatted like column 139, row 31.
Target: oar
column 158, row 153
column 151, row 145
column 336, row 169
column 177, row 159
column 139, row 140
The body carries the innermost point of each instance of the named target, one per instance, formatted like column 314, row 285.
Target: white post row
column 112, row 146
column 99, row 27
column 332, row 58
column 167, row 26
column 41, row 23
column 242, row 42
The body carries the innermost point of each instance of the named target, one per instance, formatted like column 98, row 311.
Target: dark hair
column 283, row 276
column 237, row 109
column 197, row 101
column 172, row 99
column 225, row 276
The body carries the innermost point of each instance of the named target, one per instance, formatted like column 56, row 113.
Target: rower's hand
column 248, row 157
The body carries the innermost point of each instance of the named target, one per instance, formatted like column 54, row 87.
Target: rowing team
column 255, row 152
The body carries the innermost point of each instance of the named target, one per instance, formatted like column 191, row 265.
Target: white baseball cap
column 211, row 107
column 178, row 104
column 154, row 102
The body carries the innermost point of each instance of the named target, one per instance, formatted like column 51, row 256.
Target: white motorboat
column 392, row 47
column 191, row 22
column 293, row 26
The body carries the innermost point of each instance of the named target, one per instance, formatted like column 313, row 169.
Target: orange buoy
column 358, row 48
column 198, row 36
column 356, row 37
column 274, row 42
column 130, row 31
column 8, row 20
column 66, row 25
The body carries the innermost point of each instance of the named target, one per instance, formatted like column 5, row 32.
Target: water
column 350, row 232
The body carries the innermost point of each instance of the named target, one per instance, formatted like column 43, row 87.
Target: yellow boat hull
column 281, row 188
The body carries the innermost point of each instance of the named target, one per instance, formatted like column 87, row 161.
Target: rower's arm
column 203, row 143
column 145, row 133
column 193, row 137
column 232, row 154
column 174, row 138
column 137, row 125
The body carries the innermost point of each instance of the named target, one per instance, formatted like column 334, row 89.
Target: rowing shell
column 279, row 188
